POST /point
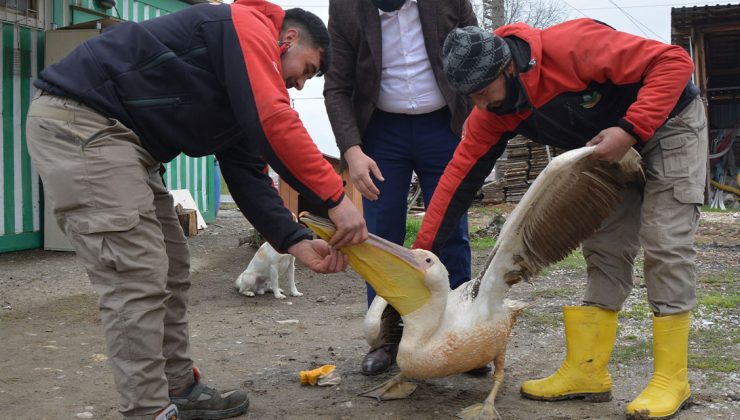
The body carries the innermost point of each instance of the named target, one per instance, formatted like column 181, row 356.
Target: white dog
column 263, row 272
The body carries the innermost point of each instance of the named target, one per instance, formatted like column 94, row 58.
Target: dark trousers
column 401, row 144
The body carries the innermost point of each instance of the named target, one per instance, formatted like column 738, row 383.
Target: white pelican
column 452, row 331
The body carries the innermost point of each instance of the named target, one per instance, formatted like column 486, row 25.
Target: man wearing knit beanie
column 473, row 58
column 582, row 83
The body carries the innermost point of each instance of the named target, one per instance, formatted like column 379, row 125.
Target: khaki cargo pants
column 109, row 199
column 662, row 219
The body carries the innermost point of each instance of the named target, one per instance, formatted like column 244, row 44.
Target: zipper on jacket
column 172, row 100
column 195, row 53
column 169, row 55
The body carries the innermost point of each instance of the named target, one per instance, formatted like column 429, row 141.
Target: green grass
column 639, row 311
column 724, row 278
column 636, row 350
column 412, row 229
column 715, row 363
column 720, row 300
column 574, row 261
column 710, row 349
column 482, row 243
column 557, row 292
column 485, row 209
column 706, row 208
column 536, row 319
column 715, row 338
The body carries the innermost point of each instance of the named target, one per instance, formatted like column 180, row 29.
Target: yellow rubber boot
column 668, row 390
column 589, row 338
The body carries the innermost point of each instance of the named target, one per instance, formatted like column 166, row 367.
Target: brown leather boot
column 380, row 358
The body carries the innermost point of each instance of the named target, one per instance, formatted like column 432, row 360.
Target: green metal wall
column 21, row 59
column 20, row 208
column 71, row 12
column 198, row 176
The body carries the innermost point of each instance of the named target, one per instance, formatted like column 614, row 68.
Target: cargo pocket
column 675, row 157
column 688, row 194
column 88, row 231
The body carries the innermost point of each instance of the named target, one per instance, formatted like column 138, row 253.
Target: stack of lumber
column 518, row 167
column 493, row 192
column 537, row 160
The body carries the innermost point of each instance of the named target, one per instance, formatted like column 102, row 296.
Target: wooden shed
column 297, row 204
column 711, row 35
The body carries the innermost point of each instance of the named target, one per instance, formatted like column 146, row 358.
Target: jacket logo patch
column 590, row 100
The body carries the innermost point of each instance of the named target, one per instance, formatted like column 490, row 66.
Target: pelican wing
column 567, row 203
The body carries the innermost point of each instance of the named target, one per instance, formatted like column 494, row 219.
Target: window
column 28, row 8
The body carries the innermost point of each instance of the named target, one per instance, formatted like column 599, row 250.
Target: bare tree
column 537, row 13
column 494, row 12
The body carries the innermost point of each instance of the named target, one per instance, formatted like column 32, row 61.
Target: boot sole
column 374, row 373
column 213, row 414
column 596, row 397
column 640, row 416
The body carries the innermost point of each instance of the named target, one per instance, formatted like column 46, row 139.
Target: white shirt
column 407, row 83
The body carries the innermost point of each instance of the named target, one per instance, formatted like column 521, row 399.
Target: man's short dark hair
column 313, row 30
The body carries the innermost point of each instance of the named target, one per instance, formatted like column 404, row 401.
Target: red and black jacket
column 207, row 80
column 577, row 78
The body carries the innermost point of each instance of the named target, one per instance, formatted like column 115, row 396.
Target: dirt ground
column 52, row 362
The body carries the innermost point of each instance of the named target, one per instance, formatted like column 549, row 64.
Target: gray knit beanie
column 472, row 58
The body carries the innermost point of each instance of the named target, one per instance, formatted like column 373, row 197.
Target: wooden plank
column 718, row 28
column 188, row 220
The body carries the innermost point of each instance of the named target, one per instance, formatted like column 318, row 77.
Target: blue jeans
column 401, row 144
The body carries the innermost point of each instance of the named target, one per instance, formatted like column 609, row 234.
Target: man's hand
column 611, row 144
column 317, row 255
column 351, row 228
column 360, row 168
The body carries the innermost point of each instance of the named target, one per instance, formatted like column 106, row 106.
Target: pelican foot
column 479, row 412
column 395, row 389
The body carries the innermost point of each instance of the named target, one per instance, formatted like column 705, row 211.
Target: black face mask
column 388, row 5
column 509, row 106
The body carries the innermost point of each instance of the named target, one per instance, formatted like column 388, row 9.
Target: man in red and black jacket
column 583, row 83
column 210, row 79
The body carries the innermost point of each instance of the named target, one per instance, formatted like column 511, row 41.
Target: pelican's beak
column 396, row 273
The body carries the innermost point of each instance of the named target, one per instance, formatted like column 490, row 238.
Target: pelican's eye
column 428, row 260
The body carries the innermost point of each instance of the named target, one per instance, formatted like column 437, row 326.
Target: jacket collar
column 527, row 59
column 404, row 6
